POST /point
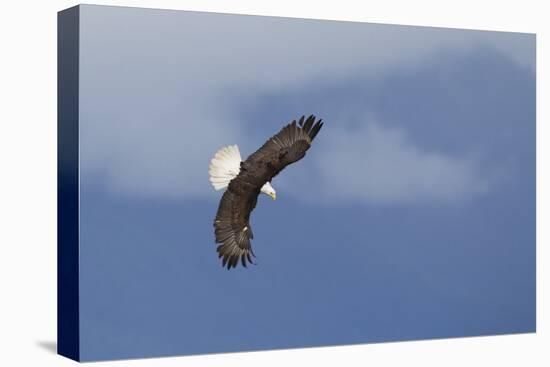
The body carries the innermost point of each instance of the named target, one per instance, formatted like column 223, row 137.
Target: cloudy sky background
column 411, row 217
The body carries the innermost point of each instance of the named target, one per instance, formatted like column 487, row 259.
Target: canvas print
column 239, row 183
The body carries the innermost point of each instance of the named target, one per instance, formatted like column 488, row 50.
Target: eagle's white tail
column 225, row 166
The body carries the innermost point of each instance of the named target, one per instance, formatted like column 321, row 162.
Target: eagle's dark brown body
column 232, row 225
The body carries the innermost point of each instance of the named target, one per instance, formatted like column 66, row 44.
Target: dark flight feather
column 232, row 223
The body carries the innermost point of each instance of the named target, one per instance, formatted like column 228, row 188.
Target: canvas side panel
column 67, row 184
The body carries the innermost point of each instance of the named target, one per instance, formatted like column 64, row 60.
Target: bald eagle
column 246, row 180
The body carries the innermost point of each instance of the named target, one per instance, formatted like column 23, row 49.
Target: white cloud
column 160, row 91
column 382, row 165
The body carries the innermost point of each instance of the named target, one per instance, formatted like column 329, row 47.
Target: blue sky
column 412, row 216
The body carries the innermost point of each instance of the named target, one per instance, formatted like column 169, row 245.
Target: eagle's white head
column 269, row 190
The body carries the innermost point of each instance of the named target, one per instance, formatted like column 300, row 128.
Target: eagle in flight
column 245, row 180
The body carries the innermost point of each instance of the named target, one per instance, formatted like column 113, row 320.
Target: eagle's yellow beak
column 273, row 195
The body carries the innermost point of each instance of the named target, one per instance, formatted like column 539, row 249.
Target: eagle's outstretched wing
column 232, row 225
column 287, row 146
